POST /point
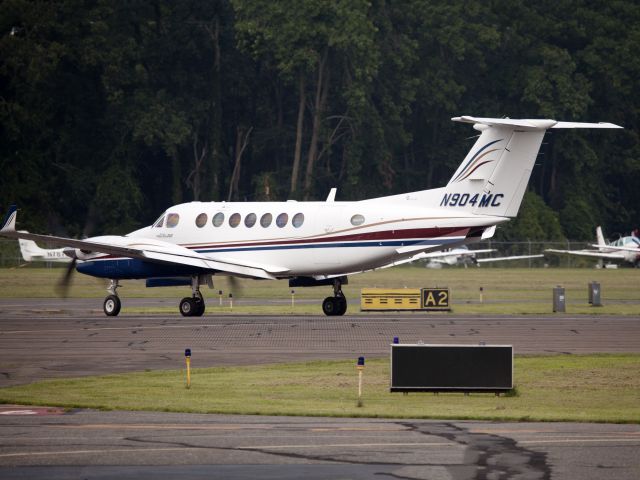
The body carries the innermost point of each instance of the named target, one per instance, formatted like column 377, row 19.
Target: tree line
column 112, row 111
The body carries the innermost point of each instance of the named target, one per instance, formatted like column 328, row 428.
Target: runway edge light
column 360, row 367
column 187, row 356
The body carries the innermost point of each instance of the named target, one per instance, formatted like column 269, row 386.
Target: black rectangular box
column 451, row 368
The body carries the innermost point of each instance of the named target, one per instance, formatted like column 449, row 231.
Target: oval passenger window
column 297, row 220
column 282, row 220
column 250, row 220
column 266, row 220
column 357, row 219
column 218, row 219
column 234, row 220
column 201, row 220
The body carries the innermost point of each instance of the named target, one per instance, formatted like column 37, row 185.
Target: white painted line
column 103, row 451
column 585, row 440
column 175, row 449
column 353, row 445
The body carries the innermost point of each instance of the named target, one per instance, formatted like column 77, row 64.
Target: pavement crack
column 492, row 455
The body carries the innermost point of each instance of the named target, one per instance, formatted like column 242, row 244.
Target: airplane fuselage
column 300, row 238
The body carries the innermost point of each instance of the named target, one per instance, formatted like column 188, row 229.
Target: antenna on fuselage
column 332, row 195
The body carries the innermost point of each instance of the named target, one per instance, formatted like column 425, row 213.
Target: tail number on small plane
column 464, row 199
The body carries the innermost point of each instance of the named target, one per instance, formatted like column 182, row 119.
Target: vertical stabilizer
column 29, row 250
column 494, row 175
column 600, row 237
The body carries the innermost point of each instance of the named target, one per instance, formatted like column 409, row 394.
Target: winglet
column 9, row 222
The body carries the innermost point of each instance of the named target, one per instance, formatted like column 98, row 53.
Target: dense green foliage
column 112, row 111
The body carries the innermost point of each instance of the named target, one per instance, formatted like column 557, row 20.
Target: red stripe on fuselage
column 412, row 233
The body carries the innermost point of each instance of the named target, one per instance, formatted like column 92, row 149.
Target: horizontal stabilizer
column 588, row 253
column 530, row 124
column 502, row 259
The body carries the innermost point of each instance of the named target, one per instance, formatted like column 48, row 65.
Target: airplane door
column 330, row 223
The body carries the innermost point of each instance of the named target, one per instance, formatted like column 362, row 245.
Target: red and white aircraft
column 318, row 243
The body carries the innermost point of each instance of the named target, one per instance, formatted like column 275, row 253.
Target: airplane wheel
column 188, row 307
column 199, row 308
column 330, row 306
column 112, row 305
column 342, row 305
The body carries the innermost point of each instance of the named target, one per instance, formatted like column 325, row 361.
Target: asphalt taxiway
column 126, row 445
column 40, row 340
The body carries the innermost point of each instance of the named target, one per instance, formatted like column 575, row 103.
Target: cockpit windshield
column 158, row 223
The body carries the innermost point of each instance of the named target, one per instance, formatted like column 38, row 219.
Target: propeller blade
column 235, row 286
column 63, row 285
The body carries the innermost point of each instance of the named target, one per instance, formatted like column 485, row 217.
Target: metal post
column 559, row 300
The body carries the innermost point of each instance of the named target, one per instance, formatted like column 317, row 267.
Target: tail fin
column 30, row 250
column 493, row 177
column 600, row 237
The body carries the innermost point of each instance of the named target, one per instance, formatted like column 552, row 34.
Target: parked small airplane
column 31, row 252
column 318, row 243
column 626, row 249
column 463, row 255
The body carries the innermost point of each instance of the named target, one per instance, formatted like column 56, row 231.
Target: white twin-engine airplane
column 318, row 243
column 625, row 249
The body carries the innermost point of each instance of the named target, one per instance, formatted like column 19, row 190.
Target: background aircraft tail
column 494, row 175
column 29, row 250
column 600, row 237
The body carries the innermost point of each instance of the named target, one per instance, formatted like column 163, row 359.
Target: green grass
column 505, row 290
column 590, row 388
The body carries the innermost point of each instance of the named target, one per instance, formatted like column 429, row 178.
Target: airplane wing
column 622, row 249
column 144, row 249
column 515, row 257
column 456, row 253
column 588, row 253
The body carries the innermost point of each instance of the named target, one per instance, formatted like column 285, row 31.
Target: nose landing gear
column 112, row 304
column 336, row 305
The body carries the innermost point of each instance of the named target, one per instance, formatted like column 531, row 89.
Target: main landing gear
column 336, row 305
column 189, row 306
column 193, row 306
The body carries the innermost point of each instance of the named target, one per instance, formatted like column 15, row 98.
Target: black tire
column 342, row 305
column 112, row 305
column 330, row 306
column 200, row 307
column 188, row 307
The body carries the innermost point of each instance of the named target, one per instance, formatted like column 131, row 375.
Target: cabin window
column 266, row 220
column 282, row 220
column 172, row 220
column 201, row 220
column 234, row 220
column 297, row 220
column 159, row 222
column 250, row 220
column 218, row 219
column 357, row 219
